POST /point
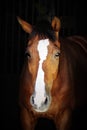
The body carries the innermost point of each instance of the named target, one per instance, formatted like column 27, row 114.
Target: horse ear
column 26, row 26
column 56, row 24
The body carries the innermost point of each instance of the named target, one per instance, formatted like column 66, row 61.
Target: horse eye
column 57, row 54
column 27, row 54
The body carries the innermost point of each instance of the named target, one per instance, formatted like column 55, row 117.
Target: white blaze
column 40, row 93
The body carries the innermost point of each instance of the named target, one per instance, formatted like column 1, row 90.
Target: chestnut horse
column 50, row 74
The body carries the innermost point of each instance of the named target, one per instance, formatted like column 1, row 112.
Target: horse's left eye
column 57, row 54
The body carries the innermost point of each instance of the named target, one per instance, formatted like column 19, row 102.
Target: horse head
column 43, row 51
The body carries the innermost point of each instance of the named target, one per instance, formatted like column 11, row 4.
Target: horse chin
column 41, row 110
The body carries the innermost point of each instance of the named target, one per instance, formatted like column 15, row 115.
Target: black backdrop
column 73, row 15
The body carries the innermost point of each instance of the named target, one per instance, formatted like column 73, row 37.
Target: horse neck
column 66, row 75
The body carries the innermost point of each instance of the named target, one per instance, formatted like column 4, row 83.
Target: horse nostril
column 46, row 100
column 32, row 100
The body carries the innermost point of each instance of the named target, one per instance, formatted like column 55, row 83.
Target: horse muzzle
column 41, row 105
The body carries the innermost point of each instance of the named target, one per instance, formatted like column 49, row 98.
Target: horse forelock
column 44, row 30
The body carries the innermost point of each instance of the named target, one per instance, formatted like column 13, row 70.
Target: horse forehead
column 43, row 48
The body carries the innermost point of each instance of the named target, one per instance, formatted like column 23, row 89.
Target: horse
column 52, row 74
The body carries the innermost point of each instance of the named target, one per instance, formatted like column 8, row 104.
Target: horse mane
column 75, row 50
column 44, row 30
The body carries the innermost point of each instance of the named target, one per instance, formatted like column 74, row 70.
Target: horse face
column 43, row 62
column 43, row 66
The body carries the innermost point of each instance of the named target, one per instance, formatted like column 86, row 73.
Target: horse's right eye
column 27, row 54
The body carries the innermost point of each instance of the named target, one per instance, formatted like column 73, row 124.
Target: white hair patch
column 40, row 93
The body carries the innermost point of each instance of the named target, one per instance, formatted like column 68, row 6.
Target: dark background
column 73, row 15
